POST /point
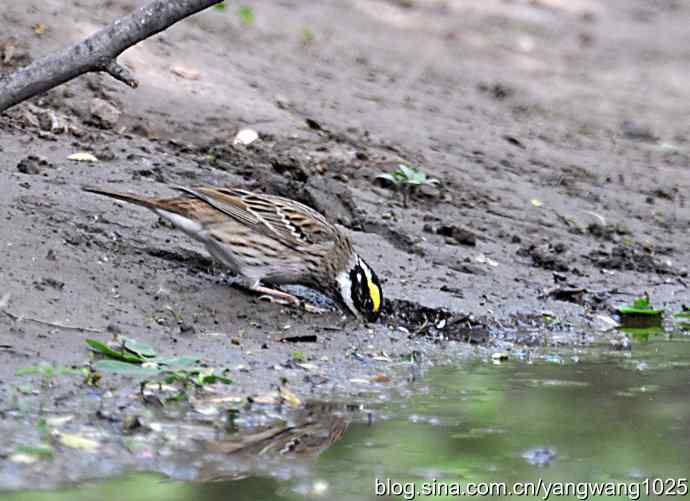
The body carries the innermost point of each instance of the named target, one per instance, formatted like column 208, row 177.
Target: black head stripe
column 360, row 291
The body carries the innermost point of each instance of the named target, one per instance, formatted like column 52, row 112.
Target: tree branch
column 99, row 52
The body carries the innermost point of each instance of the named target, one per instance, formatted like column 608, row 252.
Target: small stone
column 82, row 156
column 106, row 154
column 380, row 378
column 104, row 114
column 186, row 328
column 131, row 423
column 620, row 344
column 49, row 282
column 245, row 137
column 29, row 119
column 539, row 456
column 638, row 131
column 33, row 164
column 186, row 72
column 429, row 190
column 458, row 235
column 282, row 102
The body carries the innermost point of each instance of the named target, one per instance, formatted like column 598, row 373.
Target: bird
column 302, row 435
column 267, row 239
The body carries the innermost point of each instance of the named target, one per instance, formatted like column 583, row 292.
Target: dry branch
column 57, row 325
column 98, row 52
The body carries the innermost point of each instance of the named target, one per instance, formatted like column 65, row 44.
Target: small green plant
column 308, row 35
column 138, row 359
column 640, row 314
column 640, row 306
column 48, row 373
column 406, row 179
column 41, row 451
column 246, row 15
column 244, row 12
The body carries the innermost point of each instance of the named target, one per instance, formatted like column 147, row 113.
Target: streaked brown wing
column 290, row 222
column 192, row 208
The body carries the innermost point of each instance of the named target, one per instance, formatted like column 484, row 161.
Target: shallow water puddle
column 596, row 416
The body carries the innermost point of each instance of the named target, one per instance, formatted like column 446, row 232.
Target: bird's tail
column 149, row 203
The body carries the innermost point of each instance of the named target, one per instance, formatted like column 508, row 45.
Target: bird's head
column 360, row 290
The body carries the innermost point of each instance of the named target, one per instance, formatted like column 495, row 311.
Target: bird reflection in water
column 299, row 439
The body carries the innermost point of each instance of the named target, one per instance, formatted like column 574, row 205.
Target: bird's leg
column 276, row 296
column 280, row 297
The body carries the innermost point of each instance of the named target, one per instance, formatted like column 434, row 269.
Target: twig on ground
column 20, row 318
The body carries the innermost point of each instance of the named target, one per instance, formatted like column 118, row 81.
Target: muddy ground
column 558, row 131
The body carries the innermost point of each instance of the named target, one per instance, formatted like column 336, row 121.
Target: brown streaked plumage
column 308, row 432
column 265, row 238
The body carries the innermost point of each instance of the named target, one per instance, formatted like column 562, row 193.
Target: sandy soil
column 558, row 130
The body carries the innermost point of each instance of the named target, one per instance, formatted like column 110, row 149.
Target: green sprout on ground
column 640, row 314
column 244, row 12
column 640, row 306
column 308, row 36
column 48, row 373
column 135, row 358
column 42, row 450
column 406, row 179
column 246, row 15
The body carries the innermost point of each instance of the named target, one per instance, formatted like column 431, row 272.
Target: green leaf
column 640, row 306
column 214, row 378
column 682, row 314
column 106, row 350
column 41, row 451
column 25, row 371
column 128, row 369
column 138, row 347
column 246, row 15
column 405, row 171
column 179, row 397
column 42, row 425
column 220, row 6
column 308, row 35
column 413, row 175
column 69, row 371
column 641, row 303
column 174, row 363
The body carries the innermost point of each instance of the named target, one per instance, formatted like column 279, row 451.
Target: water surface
column 589, row 416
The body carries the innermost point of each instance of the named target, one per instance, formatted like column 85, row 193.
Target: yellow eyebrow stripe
column 375, row 294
